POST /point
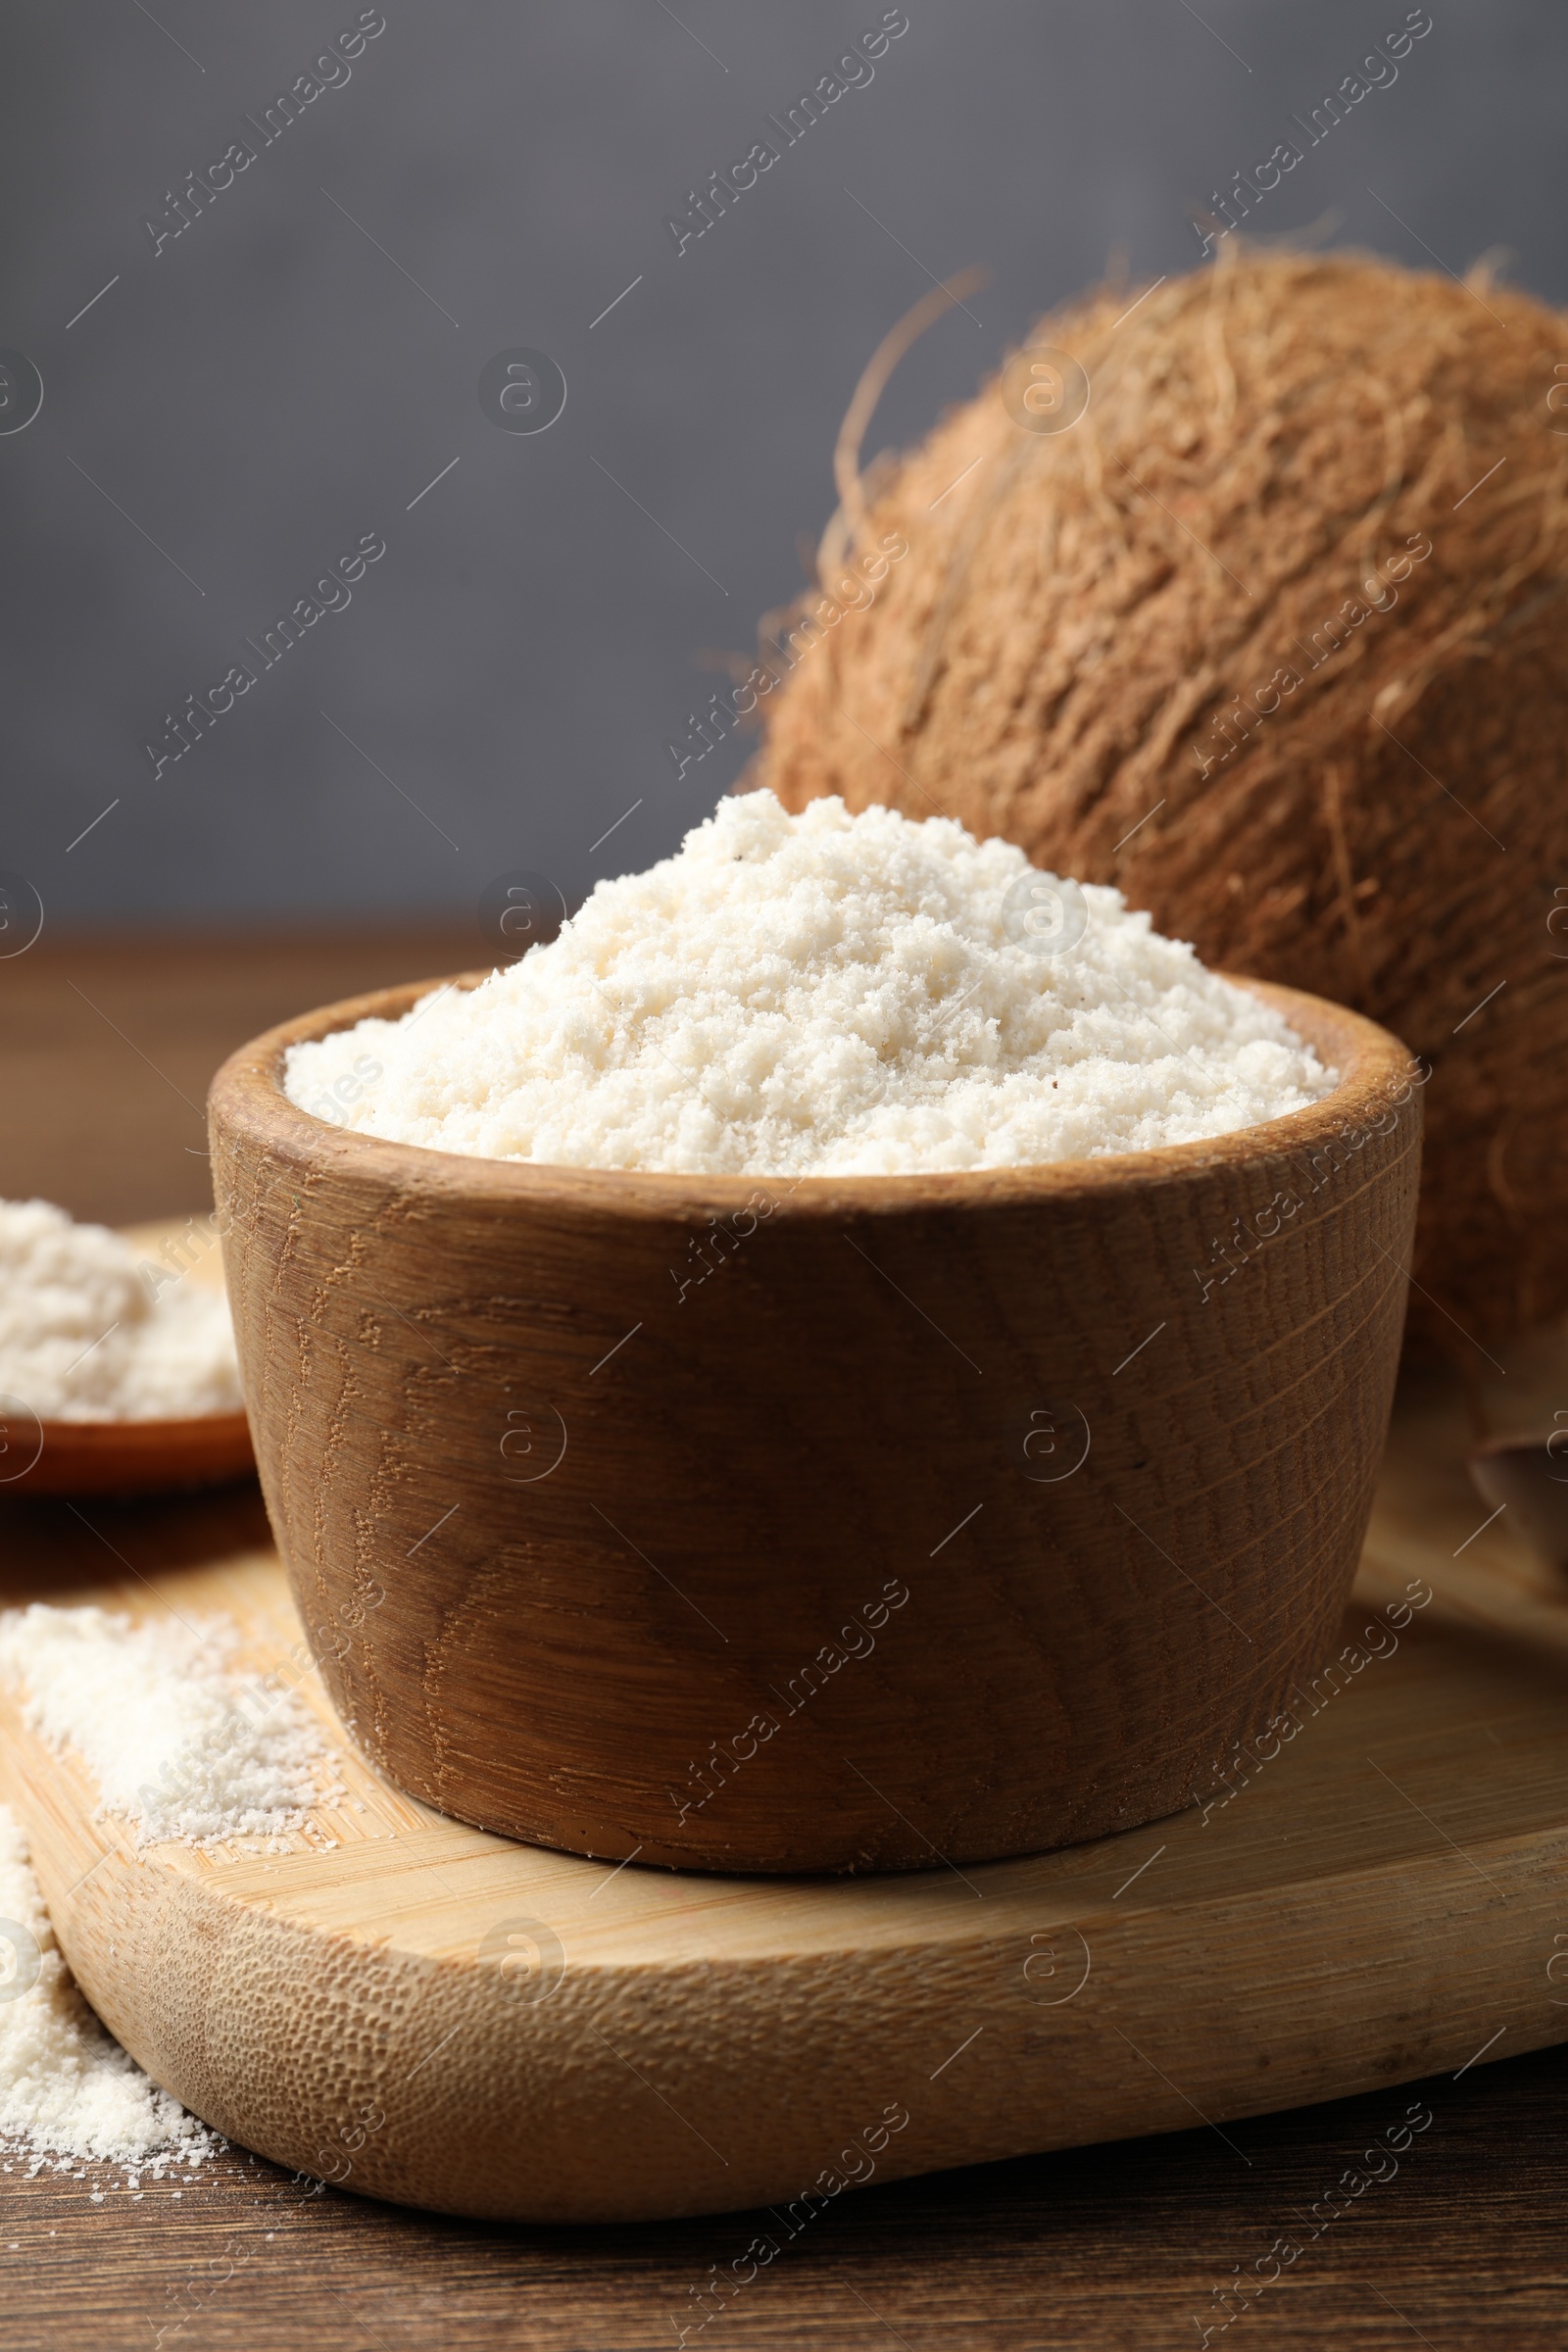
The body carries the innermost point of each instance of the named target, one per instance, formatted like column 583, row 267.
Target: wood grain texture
column 1369, row 1892
column 1104, row 2249
column 960, row 1515
column 438, row 2017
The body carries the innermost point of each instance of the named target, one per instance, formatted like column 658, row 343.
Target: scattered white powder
column 85, row 1335
column 824, row 995
column 66, row 2089
column 180, row 1744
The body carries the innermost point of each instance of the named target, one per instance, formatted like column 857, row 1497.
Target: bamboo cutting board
column 423, row 2012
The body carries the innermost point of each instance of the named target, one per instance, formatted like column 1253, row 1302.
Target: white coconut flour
column 85, row 1335
column 182, row 1746
column 68, row 2090
column 825, row 994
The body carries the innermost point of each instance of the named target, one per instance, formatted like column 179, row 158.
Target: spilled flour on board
column 185, row 1747
column 68, row 2090
column 180, row 1744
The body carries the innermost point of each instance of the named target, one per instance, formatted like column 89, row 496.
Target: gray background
column 271, row 384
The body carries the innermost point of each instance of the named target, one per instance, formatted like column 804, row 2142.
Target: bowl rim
column 246, row 1096
column 135, row 1458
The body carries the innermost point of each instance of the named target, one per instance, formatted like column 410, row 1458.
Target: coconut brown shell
column 1321, row 469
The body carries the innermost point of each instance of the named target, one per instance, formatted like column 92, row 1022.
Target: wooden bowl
column 745, row 1523
column 129, row 1457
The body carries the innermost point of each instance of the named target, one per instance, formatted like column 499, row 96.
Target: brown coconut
column 1275, row 638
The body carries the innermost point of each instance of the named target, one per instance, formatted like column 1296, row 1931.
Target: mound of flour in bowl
column 85, row 1337
column 825, row 994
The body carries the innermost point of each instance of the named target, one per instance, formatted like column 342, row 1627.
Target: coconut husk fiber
column 1192, row 645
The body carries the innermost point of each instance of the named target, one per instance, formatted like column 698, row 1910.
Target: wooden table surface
column 105, row 1051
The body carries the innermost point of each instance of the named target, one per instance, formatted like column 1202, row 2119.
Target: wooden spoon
column 131, row 1458
column 1529, row 1472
